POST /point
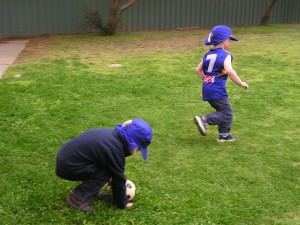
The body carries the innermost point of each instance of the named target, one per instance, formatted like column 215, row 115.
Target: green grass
column 67, row 88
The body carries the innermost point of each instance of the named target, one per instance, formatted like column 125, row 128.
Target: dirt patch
column 91, row 48
column 37, row 48
column 115, row 65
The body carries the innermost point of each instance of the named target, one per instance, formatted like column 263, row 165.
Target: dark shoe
column 225, row 139
column 102, row 193
column 74, row 202
column 201, row 124
column 105, row 190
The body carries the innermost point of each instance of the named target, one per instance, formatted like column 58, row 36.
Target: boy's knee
column 228, row 116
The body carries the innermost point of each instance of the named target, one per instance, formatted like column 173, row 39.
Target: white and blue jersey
column 214, row 83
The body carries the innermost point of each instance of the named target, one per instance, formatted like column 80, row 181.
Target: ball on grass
column 130, row 189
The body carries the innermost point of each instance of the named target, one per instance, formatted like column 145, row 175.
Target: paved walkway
column 9, row 51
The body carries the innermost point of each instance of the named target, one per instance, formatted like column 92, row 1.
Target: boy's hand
column 244, row 85
column 129, row 205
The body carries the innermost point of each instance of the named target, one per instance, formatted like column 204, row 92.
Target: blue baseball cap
column 218, row 34
column 138, row 135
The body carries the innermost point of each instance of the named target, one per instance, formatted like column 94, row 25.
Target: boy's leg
column 82, row 194
column 222, row 117
column 88, row 189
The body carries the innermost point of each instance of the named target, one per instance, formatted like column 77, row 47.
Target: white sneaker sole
column 200, row 125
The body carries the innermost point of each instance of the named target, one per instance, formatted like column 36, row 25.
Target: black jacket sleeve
column 119, row 192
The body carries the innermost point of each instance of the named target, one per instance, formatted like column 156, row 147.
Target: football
column 130, row 189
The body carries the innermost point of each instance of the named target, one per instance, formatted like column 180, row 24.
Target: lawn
column 62, row 85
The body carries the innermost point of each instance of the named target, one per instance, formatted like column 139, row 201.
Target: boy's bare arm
column 232, row 74
column 199, row 70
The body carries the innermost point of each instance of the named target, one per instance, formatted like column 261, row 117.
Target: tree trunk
column 268, row 10
column 115, row 15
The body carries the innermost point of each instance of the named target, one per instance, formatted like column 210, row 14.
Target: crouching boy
column 97, row 156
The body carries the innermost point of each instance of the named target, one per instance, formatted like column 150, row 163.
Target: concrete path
column 9, row 51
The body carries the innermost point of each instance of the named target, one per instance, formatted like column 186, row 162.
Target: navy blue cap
column 218, row 34
column 138, row 135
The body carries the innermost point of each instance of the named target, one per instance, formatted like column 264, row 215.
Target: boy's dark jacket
column 98, row 150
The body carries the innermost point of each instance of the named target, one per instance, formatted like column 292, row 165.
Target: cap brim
column 206, row 42
column 144, row 153
column 233, row 38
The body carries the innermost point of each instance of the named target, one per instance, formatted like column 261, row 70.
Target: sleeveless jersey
column 214, row 83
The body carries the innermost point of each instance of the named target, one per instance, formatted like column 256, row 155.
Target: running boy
column 97, row 157
column 214, row 69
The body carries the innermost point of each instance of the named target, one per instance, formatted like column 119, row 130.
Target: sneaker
column 201, row 124
column 102, row 193
column 105, row 190
column 225, row 139
column 74, row 202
